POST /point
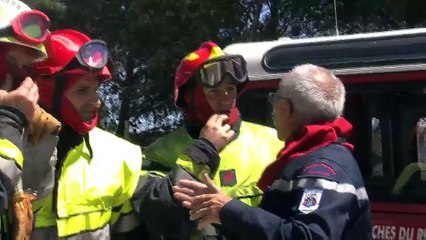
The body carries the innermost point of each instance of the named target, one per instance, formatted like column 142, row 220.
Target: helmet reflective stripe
column 191, row 57
column 216, row 52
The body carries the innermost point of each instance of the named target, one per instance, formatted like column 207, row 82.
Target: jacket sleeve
column 38, row 174
column 153, row 200
column 125, row 224
column 12, row 123
column 154, row 203
column 319, row 209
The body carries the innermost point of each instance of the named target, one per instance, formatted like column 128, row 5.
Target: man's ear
column 287, row 108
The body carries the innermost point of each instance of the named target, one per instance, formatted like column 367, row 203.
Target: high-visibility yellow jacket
column 242, row 162
column 91, row 191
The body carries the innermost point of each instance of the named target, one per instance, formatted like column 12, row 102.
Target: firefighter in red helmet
column 23, row 32
column 96, row 172
column 207, row 84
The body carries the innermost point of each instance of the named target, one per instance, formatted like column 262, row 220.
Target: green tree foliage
column 147, row 38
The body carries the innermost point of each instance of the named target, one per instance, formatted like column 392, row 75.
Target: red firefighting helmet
column 63, row 47
column 209, row 65
column 191, row 62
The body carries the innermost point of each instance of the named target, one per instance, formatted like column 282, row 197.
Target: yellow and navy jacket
column 177, row 155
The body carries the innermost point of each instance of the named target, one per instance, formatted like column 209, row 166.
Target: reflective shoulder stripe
column 11, row 151
column 287, row 186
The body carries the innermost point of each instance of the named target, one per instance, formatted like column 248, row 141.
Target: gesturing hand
column 217, row 131
column 205, row 201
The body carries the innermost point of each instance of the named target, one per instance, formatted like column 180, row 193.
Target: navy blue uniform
column 319, row 196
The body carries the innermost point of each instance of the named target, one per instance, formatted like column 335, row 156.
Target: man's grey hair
column 316, row 94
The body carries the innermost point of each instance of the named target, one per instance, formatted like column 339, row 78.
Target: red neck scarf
column 199, row 111
column 311, row 138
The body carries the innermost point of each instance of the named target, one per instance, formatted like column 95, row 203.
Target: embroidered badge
column 319, row 169
column 310, row 200
column 228, row 177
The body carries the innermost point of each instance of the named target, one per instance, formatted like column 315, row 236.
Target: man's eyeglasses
column 273, row 97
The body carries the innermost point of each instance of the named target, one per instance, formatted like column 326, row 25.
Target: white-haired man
column 314, row 190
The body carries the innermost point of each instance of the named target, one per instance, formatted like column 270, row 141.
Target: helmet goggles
column 212, row 72
column 29, row 27
column 92, row 56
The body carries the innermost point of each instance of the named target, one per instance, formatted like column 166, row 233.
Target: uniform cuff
column 16, row 115
column 231, row 213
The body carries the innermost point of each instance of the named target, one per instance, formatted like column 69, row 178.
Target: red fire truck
column 385, row 78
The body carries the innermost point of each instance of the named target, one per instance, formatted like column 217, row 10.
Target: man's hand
column 24, row 98
column 205, row 201
column 217, row 131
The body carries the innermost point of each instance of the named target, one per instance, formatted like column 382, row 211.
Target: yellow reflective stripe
column 250, row 194
column 44, row 217
column 11, row 151
column 197, row 170
column 145, row 173
column 126, row 208
column 85, row 222
column 4, row 223
column 114, row 217
column 41, row 50
column 161, row 174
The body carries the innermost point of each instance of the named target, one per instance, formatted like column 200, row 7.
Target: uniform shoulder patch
column 310, row 200
column 318, row 169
